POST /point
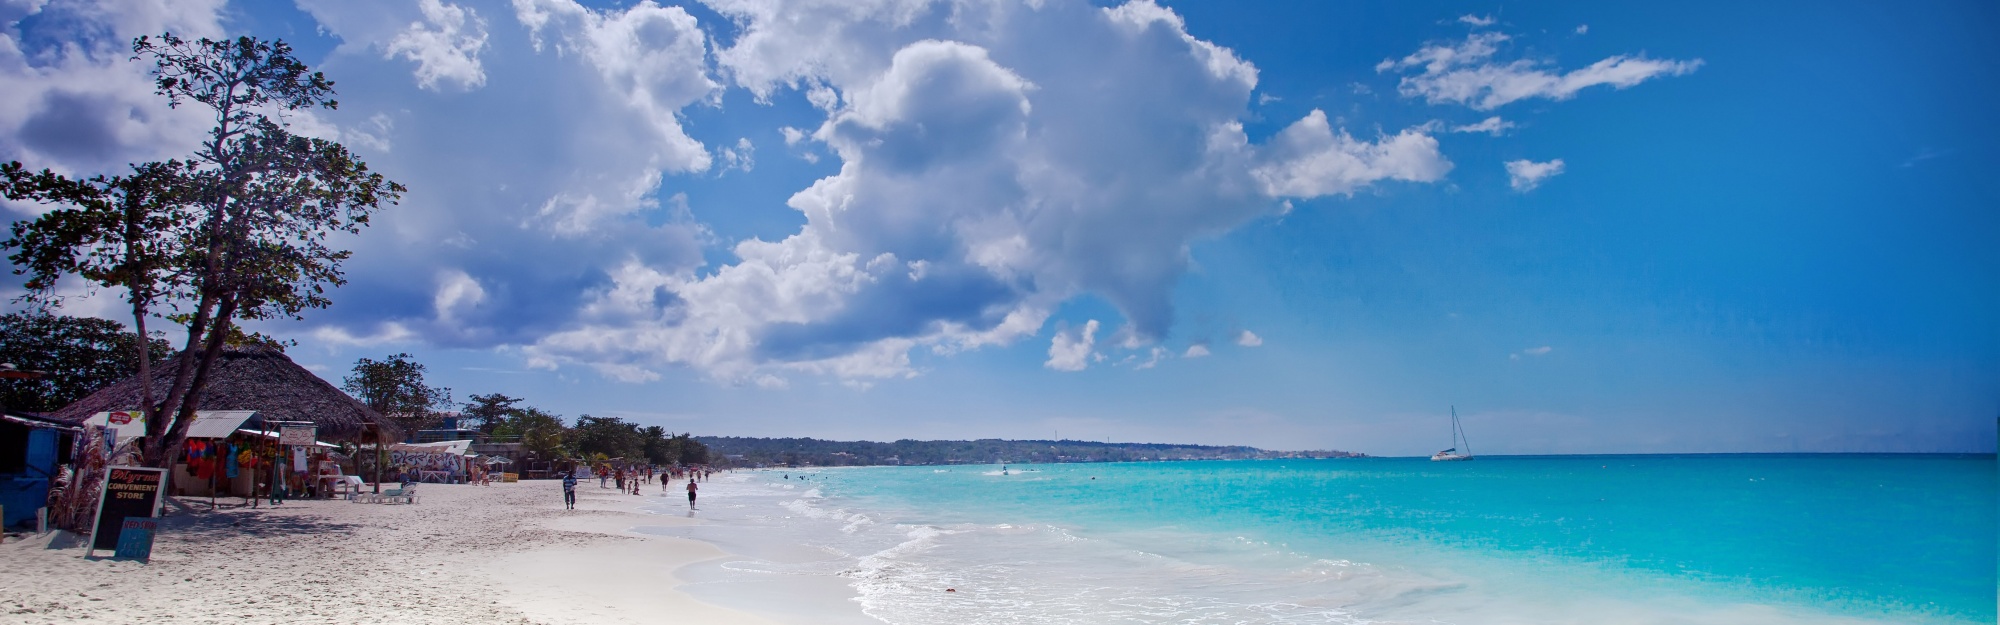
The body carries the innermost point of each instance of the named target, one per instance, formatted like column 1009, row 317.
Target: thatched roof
column 251, row 378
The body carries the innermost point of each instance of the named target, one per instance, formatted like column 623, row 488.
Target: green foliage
column 489, row 411
column 233, row 78
column 653, row 445
column 541, row 432
column 121, row 232
column 610, row 436
column 662, row 447
column 394, row 386
column 80, row 355
column 687, row 450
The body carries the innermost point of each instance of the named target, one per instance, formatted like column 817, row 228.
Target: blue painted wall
column 22, row 493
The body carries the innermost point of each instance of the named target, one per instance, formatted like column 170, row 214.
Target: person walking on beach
column 691, row 489
column 569, row 490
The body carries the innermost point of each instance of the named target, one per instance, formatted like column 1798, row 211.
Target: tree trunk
column 211, row 350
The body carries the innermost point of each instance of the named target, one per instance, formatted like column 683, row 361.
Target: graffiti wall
column 425, row 461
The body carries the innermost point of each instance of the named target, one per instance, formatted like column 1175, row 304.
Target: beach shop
column 225, row 452
column 252, row 390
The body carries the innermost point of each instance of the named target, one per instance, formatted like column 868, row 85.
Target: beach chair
column 406, row 494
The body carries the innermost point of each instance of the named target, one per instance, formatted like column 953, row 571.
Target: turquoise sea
column 1566, row 539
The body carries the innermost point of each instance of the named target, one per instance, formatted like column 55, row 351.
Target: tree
column 687, row 450
column 653, row 443
column 236, row 231
column 79, row 354
column 541, row 432
column 394, row 386
column 610, row 436
column 667, row 448
column 489, row 411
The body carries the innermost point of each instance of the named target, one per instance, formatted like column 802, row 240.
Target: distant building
column 449, row 430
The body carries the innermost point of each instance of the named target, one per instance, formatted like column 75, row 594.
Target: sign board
column 127, row 424
column 135, row 539
column 297, row 435
column 129, row 493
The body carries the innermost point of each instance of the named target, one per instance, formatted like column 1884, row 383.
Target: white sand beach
column 506, row 553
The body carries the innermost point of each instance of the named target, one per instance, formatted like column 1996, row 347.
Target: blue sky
column 1694, row 227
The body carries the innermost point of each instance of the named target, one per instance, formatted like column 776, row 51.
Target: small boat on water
column 1458, row 441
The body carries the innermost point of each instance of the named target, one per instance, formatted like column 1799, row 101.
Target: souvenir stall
column 213, row 456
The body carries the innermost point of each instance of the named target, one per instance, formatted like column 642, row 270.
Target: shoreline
column 506, row 553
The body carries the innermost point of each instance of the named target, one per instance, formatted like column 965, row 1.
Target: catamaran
column 1457, row 441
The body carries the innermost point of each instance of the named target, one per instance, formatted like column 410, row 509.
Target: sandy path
column 507, row 553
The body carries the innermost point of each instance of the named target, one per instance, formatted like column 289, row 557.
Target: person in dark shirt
column 569, row 490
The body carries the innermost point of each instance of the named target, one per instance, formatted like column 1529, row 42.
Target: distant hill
column 741, row 451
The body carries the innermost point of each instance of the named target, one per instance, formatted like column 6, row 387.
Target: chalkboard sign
column 129, row 492
column 135, row 539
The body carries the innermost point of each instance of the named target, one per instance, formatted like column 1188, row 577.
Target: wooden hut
column 254, row 378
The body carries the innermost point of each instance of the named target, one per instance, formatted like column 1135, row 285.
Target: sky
column 1684, row 228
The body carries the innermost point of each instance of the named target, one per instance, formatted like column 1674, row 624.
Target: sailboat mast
column 1462, row 440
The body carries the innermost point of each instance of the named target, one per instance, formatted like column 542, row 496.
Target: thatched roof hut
column 253, row 378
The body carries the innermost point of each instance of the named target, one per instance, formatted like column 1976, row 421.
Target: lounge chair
column 408, row 494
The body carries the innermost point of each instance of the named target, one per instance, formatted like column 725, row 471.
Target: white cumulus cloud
column 1070, row 350
column 996, row 160
column 1195, row 351
column 540, row 195
column 1247, row 338
column 1524, row 175
column 1309, row 158
column 445, row 45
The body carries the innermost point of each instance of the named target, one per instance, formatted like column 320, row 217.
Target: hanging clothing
column 229, row 466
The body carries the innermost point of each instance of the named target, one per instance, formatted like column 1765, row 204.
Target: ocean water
column 1569, row 539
